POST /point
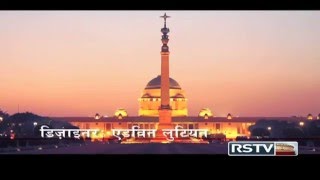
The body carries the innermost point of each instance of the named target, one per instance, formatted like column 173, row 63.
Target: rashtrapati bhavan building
column 149, row 102
column 163, row 103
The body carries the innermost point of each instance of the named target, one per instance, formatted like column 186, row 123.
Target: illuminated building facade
column 237, row 126
column 150, row 101
column 163, row 103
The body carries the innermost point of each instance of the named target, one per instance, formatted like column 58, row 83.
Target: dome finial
column 165, row 19
column 165, row 37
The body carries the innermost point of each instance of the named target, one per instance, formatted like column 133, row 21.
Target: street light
column 1, row 119
column 269, row 128
column 35, row 123
column 301, row 123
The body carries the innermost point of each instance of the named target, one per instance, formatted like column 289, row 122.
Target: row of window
column 158, row 99
column 157, row 107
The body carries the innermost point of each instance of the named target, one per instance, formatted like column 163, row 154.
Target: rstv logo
column 262, row 148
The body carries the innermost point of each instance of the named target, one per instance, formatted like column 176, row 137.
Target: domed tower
column 150, row 100
column 205, row 113
column 121, row 113
column 163, row 96
column 165, row 111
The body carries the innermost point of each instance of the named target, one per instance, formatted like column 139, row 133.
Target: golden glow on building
column 150, row 100
column 120, row 113
column 108, row 133
column 97, row 136
column 229, row 116
column 309, row 117
column 231, row 134
column 205, row 112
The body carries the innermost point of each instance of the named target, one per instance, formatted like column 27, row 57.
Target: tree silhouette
column 293, row 132
column 4, row 114
column 26, row 127
column 260, row 132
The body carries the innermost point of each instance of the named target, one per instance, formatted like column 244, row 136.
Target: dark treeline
column 304, row 132
column 22, row 129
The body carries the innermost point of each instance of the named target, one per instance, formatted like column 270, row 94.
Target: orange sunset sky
column 78, row 63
